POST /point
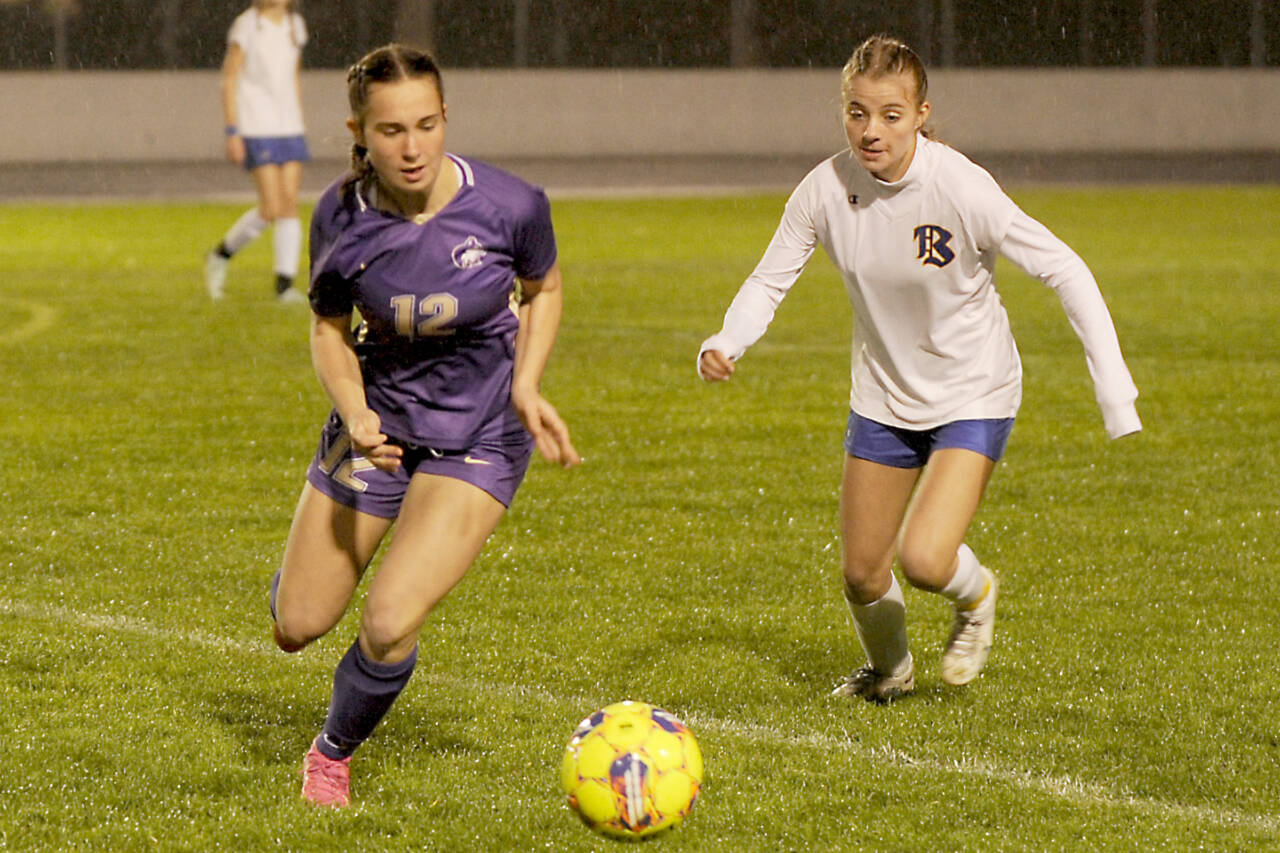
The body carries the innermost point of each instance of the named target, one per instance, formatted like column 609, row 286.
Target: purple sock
column 275, row 590
column 363, row 691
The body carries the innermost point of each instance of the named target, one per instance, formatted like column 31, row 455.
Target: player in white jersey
column 262, row 113
column 915, row 228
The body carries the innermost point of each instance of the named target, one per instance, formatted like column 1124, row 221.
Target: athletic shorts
column 910, row 448
column 274, row 150
column 497, row 467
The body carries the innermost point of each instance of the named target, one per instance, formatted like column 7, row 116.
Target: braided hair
column 386, row 64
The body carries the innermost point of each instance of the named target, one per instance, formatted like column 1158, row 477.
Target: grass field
column 155, row 444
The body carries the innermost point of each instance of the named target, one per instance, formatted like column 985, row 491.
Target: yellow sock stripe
column 973, row 604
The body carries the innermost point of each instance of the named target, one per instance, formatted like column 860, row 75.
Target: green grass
column 155, row 443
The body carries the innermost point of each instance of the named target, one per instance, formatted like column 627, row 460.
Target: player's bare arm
column 334, row 357
column 540, row 308
column 232, row 65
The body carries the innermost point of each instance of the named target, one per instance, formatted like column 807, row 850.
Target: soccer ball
column 631, row 770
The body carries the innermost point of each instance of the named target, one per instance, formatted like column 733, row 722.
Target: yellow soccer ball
column 631, row 770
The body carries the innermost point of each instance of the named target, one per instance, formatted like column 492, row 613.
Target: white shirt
column 267, row 98
column 931, row 339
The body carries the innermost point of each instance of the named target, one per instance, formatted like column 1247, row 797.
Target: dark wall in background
column 147, row 34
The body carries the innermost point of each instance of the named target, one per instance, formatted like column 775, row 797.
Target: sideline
column 607, row 176
column 1061, row 787
column 42, row 319
column 184, row 182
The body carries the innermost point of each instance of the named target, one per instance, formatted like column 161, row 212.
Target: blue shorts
column 274, row 150
column 910, row 448
column 497, row 467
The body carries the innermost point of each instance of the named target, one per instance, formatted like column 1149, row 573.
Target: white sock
column 244, row 231
column 286, row 244
column 969, row 584
column 882, row 628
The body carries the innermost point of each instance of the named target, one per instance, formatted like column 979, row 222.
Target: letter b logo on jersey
column 932, row 248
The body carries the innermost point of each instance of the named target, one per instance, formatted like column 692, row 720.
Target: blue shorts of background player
column 274, row 150
column 495, row 466
column 908, row 448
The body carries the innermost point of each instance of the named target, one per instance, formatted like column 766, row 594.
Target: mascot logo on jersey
column 469, row 253
column 932, row 248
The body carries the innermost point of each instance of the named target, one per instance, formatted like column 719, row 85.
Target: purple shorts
column 910, row 448
column 274, row 150
column 497, row 467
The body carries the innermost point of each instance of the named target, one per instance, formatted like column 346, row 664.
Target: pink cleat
column 326, row 781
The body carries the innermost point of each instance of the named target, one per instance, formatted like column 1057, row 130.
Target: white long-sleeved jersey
column 931, row 339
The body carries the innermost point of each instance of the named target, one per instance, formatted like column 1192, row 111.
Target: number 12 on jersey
column 425, row 317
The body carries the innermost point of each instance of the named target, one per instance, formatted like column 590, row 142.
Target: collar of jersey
column 915, row 172
column 466, row 178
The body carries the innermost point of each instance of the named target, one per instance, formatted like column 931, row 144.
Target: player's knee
column 295, row 631
column 386, row 629
column 924, row 564
column 864, row 576
column 287, row 642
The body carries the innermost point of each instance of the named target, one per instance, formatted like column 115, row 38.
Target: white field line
column 1062, row 787
column 42, row 318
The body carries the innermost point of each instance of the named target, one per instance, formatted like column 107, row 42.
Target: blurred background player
column 435, row 411
column 262, row 113
column 914, row 228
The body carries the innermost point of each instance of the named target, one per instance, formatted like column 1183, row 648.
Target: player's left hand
column 235, row 150
column 548, row 429
column 715, row 366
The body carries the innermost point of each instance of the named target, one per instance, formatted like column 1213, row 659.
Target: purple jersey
column 437, row 300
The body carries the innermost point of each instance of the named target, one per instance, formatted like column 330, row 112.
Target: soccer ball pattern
column 631, row 770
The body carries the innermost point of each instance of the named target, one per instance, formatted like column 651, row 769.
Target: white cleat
column 215, row 274
column 867, row 683
column 971, row 636
column 292, row 296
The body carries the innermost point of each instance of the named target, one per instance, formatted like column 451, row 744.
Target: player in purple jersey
column 436, row 403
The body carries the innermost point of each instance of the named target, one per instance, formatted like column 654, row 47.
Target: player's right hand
column 368, row 440
column 715, row 366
